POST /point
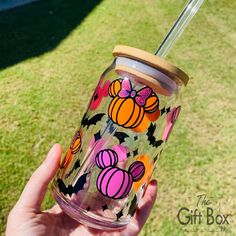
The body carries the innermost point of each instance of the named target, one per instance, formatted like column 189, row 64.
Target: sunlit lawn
column 45, row 83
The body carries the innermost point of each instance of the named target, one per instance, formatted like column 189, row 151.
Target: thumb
column 34, row 191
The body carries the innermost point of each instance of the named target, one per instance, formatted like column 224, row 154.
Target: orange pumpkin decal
column 114, row 88
column 148, row 164
column 76, row 142
column 130, row 108
column 152, row 103
column 143, row 125
column 66, row 159
column 153, row 116
column 73, row 149
column 125, row 112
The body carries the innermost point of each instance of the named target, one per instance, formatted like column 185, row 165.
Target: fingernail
column 52, row 150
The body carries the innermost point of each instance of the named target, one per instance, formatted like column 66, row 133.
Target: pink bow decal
column 140, row 96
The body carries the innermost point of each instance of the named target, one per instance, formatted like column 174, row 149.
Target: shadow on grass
column 31, row 30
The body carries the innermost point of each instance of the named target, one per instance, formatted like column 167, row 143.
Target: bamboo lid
column 150, row 59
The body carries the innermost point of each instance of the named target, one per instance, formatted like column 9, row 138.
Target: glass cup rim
column 165, row 84
column 159, row 63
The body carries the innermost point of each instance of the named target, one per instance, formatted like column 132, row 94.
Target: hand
column 27, row 219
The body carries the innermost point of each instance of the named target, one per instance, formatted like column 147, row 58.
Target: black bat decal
column 88, row 208
column 121, row 136
column 132, row 207
column 152, row 140
column 104, row 207
column 70, row 189
column 165, row 110
column 135, row 152
column 86, row 121
column 76, row 166
column 119, row 214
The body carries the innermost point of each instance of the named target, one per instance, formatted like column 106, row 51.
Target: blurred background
column 51, row 56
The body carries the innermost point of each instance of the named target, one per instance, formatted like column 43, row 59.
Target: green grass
column 51, row 61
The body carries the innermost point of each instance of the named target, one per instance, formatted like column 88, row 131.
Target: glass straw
column 179, row 26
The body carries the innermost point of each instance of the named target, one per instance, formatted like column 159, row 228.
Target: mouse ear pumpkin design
column 112, row 181
column 128, row 106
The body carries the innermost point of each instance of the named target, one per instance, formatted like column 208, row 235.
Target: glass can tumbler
column 111, row 157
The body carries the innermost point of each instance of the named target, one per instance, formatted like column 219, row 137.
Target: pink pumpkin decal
column 137, row 170
column 114, row 182
column 105, row 158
